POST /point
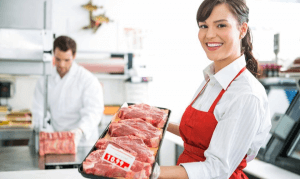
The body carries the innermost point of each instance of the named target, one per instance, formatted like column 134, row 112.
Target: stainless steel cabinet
column 25, row 14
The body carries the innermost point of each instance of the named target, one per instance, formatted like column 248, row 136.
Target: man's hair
column 64, row 43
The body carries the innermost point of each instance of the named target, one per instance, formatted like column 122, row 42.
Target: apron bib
column 196, row 129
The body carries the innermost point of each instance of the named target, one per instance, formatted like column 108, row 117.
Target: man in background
column 75, row 96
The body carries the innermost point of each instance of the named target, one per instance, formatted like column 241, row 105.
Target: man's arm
column 38, row 105
column 93, row 106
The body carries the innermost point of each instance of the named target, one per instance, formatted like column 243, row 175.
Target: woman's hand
column 172, row 172
column 173, row 128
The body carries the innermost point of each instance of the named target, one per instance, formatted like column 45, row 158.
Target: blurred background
column 140, row 51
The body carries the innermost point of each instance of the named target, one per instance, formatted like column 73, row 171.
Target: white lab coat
column 74, row 101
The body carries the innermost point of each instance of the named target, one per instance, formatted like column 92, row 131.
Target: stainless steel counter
column 15, row 133
column 20, row 158
column 67, row 160
column 25, row 158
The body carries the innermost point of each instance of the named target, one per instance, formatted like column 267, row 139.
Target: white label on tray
column 118, row 157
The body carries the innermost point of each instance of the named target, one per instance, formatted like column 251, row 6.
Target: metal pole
column 45, row 14
column 37, row 133
column 45, row 95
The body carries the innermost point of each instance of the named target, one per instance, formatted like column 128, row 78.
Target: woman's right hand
column 173, row 128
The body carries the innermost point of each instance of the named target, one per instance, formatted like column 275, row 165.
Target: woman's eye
column 221, row 25
column 203, row 26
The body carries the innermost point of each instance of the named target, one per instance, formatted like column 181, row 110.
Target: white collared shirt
column 74, row 101
column 243, row 120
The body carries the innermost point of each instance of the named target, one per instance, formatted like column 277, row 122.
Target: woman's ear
column 243, row 30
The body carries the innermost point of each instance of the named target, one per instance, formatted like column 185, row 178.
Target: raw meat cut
column 103, row 168
column 103, row 143
column 136, row 127
column 96, row 157
column 144, row 154
column 142, row 125
column 57, row 143
column 151, row 114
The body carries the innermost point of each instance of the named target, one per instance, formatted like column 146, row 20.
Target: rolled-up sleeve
column 93, row 106
column 231, row 140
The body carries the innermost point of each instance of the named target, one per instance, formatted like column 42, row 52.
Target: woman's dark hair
column 240, row 10
column 64, row 43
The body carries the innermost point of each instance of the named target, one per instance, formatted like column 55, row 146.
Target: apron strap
column 200, row 92
column 212, row 108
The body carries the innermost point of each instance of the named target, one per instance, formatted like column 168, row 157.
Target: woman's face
column 220, row 35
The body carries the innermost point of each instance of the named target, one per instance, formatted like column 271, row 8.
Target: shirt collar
column 73, row 68
column 226, row 74
column 209, row 71
column 71, row 72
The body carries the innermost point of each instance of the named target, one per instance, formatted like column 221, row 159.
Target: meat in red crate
column 129, row 145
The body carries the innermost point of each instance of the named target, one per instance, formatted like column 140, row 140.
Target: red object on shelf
column 104, row 68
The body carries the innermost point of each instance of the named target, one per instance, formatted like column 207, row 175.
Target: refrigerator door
column 23, row 52
column 29, row 14
column 23, row 44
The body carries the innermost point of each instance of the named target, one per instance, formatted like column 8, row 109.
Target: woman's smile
column 212, row 46
column 220, row 36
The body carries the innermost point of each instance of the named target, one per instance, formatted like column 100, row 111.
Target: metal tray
column 80, row 168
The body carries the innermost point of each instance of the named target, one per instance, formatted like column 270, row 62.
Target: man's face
column 63, row 61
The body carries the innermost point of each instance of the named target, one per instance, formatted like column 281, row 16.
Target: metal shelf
column 111, row 76
column 24, row 68
column 290, row 75
column 295, row 76
column 282, row 80
column 277, row 81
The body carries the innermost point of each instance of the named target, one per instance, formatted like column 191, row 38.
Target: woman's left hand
column 156, row 171
column 172, row 172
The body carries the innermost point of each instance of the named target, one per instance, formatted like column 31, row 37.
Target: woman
column 228, row 119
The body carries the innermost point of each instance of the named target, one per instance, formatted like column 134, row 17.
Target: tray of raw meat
column 129, row 146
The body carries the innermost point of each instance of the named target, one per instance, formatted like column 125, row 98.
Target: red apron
column 196, row 129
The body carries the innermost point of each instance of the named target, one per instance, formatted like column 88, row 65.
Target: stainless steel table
column 25, row 158
column 67, row 160
column 20, row 158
